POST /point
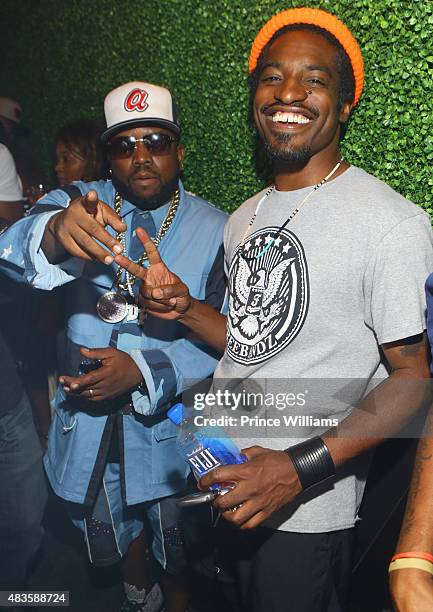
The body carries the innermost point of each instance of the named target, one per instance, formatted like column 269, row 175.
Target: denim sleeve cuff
column 37, row 270
column 159, row 378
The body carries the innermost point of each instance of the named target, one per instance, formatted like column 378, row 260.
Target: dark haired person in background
column 79, row 152
column 11, row 191
column 19, row 315
column 14, row 135
column 111, row 453
column 22, row 484
column 79, row 156
column 326, row 282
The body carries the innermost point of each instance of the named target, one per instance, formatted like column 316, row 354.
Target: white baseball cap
column 138, row 103
column 10, row 109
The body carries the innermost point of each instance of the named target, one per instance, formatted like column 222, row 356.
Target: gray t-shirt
column 344, row 277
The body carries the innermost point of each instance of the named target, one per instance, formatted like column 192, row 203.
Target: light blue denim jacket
column 168, row 360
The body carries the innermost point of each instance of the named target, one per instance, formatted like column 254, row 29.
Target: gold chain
column 120, row 236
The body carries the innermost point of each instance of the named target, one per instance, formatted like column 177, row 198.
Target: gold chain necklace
column 112, row 306
column 121, row 237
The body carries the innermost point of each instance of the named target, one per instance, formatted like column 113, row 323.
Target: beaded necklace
column 287, row 221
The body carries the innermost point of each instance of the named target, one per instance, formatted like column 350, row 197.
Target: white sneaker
column 152, row 603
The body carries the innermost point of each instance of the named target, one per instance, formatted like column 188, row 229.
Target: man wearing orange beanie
column 326, row 278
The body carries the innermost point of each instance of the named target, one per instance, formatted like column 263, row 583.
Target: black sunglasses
column 124, row 146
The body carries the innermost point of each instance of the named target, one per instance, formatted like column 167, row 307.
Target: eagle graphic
column 243, row 323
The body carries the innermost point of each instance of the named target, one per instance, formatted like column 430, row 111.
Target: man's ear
column 180, row 155
column 346, row 109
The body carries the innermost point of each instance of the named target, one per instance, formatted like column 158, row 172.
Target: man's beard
column 160, row 198
column 285, row 153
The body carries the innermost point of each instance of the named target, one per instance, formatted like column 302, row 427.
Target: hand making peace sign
column 162, row 293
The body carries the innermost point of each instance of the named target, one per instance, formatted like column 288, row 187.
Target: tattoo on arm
column 412, row 345
column 411, row 350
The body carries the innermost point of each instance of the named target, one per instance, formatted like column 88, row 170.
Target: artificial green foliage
column 61, row 57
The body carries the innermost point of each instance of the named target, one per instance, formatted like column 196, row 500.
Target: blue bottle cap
column 176, row 414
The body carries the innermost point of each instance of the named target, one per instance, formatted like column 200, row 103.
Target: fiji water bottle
column 204, row 448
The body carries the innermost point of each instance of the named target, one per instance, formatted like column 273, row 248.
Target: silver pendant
column 112, row 307
column 133, row 312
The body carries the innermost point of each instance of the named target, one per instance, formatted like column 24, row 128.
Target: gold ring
column 233, row 508
column 91, row 392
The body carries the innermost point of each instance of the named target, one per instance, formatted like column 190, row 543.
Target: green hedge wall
column 61, row 57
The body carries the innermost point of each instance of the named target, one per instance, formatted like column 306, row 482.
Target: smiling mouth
column 290, row 118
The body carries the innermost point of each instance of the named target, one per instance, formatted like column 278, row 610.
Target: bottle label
column 203, row 461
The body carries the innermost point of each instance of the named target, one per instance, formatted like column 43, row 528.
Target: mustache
column 163, row 195
column 142, row 170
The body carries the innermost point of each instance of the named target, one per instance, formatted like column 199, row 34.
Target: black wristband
column 313, row 462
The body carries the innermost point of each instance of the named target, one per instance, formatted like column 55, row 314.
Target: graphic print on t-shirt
column 269, row 296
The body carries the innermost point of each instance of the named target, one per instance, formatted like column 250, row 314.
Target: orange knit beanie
column 323, row 20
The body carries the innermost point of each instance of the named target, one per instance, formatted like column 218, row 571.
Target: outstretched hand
column 80, row 227
column 162, row 293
